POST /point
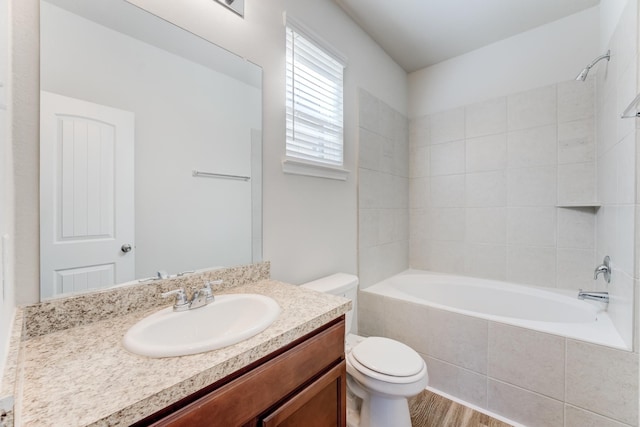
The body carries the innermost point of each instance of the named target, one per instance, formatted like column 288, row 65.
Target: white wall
column 203, row 122
column 7, row 300
column 545, row 55
column 310, row 224
column 610, row 12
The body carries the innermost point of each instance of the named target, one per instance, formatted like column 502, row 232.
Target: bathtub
column 553, row 311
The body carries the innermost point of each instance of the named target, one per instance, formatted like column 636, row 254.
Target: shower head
column 583, row 74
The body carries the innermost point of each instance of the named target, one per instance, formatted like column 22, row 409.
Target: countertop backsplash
column 82, row 309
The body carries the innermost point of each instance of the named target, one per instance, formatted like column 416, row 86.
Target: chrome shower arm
column 606, row 56
column 583, row 74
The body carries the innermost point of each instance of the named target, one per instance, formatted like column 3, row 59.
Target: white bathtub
column 557, row 312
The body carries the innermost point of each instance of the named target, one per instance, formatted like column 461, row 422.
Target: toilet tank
column 341, row 284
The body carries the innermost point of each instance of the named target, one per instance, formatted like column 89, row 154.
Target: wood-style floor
column 431, row 410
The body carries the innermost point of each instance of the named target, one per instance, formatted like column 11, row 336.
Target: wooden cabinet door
column 242, row 401
column 321, row 404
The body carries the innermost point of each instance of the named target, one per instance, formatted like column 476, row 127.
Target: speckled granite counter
column 83, row 376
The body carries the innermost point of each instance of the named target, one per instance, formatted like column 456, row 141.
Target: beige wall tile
column 532, row 147
column 420, row 131
column 447, row 158
column 576, row 183
column 486, row 189
column 486, row 261
column 459, row 382
column 532, row 108
column 368, row 225
column 486, row 225
column 531, row 187
column 371, row 314
column 368, row 108
column 447, row 223
column 403, row 322
column 528, row 408
column 531, row 226
column 369, row 182
column 575, row 268
column 447, row 191
column 486, row 153
column 576, row 228
column 531, row 265
column 603, row 380
column 458, row 339
column 576, row 141
column 576, row 100
column 418, row 253
column 447, row 126
column 370, row 147
column 419, row 189
column 419, row 162
column 486, row 118
column 576, row 417
column 528, row 359
column 446, row 257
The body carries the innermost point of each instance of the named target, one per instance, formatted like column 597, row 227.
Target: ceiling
column 420, row 33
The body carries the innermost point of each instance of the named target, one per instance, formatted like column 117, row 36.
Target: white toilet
column 381, row 371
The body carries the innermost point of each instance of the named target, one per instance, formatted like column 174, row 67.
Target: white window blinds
column 314, row 101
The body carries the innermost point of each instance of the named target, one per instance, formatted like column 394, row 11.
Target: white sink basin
column 227, row 320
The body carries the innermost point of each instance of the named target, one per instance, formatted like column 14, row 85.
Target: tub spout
column 594, row 296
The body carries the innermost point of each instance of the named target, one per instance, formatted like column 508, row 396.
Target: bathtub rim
column 602, row 331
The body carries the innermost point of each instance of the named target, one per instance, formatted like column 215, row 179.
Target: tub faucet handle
column 605, row 269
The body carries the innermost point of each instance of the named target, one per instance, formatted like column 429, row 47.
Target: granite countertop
column 83, row 376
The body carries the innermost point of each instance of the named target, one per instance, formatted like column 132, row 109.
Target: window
column 314, row 104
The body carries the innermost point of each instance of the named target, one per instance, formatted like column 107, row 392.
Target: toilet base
column 376, row 410
column 354, row 404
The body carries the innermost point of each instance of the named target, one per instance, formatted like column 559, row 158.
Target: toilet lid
column 388, row 357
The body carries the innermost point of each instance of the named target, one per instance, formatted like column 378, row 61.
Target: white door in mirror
column 86, row 195
column 226, row 321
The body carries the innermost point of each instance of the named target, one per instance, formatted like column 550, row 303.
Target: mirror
column 150, row 149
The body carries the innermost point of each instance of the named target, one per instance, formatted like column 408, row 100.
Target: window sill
column 318, row 170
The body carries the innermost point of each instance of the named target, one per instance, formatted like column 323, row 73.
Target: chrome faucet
column 199, row 299
column 594, row 296
column 605, row 269
column 202, row 297
column 160, row 275
column 181, row 303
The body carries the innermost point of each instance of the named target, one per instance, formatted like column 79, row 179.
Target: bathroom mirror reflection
column 131, row 106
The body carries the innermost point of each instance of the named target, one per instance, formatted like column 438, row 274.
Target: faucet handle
column 181, row 299
column 605, row 269
column 208, row 291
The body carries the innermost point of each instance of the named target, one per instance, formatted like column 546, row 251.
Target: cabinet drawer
column 321, row 404
column 246, row 397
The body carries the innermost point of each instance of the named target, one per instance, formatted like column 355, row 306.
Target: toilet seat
column 387, row 360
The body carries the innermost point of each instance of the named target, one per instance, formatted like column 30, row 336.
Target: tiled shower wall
column 616, row 86
column 486, row 180
column 484, row 185
column 383, row 191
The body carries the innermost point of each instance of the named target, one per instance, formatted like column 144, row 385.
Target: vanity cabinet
column 302, row 384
